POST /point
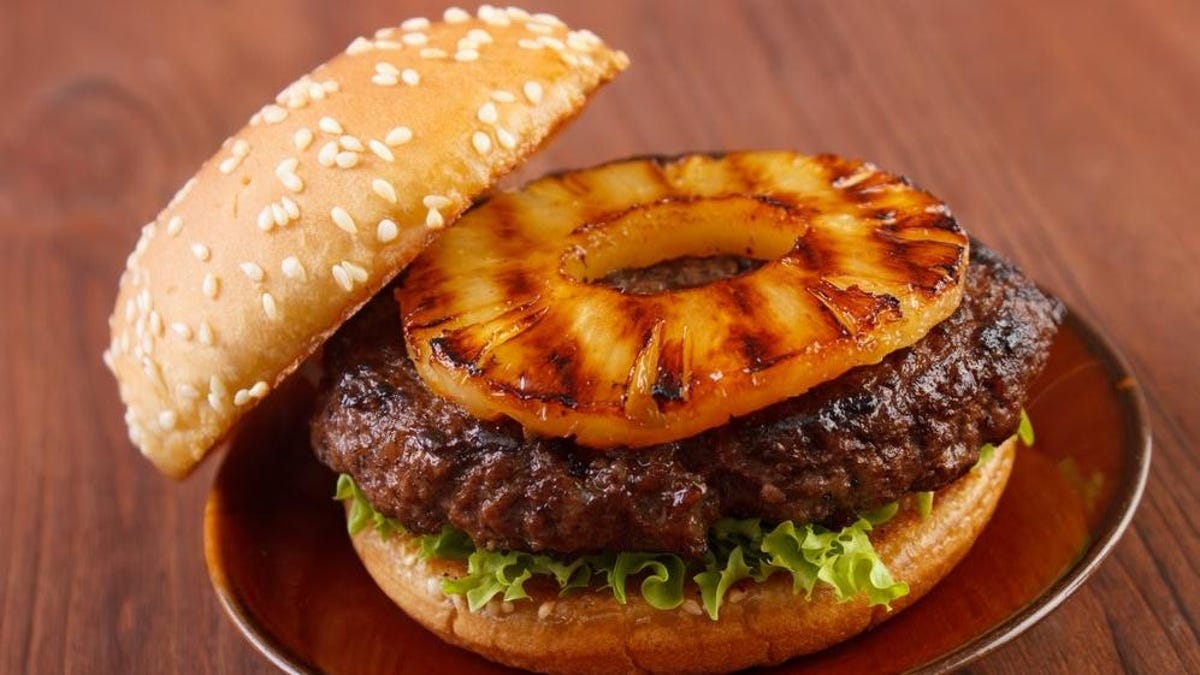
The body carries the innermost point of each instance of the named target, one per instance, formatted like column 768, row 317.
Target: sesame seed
column 411, row 77
column 343, row 220
column 252, row 271
column 215, row 402
column 274, row 114
column 303, row 136
column 330, row 126
column 482, row 142
column 502, row 96
column 242, row 397
column 292, row 268
column 143, row 301
column 341, row 277
column 346, row 159
column 382, row 151
column 384, row 80
column 358, row 46
column 167, row 420
column 259, row 389
column 539, row 28
column 183, row 191
column 211, row 286
column 356, row 273
column 384, row 33
column 386, row 68
column 487, row 113
column 399, row 136
column 240, row 148
column 517, row 14
column 414, row 39
column 330, row 86
column 388, row 44
column 552, row 42
column 316, row 91
column 350, row 143
column 384, row 189
column 579, row 41
column 287, row 166
column 435, row 201
column 547, row 18
column 526, row 43
column 130, row 308
column 201, row 252
column 415, row 23
column 292, row 182
column 493, row 16
column 151, row 370
column 174, row 225
column 533, row 92
column 480, row 35
column 432, row 53
column 434, row 219
column 216, row 386
column 507, row 140
column 327, row 155
column 278, row 215
column 229, row 164
column 692, row 607
column 269, row 307
column 466, row 55
column 265, row 219
column 182, row 330
column 737, row 595
column 187, row 391
column 387, row 231
column 156, row 323
column 290, row 207
column 569, row 59
column 204, row 333
column 456, row 15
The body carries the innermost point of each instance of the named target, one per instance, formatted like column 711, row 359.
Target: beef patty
column 914, row 421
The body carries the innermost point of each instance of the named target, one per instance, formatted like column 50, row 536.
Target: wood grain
column 1063, row 133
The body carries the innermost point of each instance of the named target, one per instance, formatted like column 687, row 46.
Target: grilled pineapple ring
column 503, row 313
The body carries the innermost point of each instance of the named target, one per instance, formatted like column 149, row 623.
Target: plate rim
column 1125, row 506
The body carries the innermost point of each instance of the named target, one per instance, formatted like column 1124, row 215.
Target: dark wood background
column 1064, row 133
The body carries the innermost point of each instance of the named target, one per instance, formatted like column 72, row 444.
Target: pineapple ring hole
column 679, row 243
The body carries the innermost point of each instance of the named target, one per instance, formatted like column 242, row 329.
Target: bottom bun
column 760, row 623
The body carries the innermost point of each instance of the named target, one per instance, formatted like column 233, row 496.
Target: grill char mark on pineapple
column 812, row 220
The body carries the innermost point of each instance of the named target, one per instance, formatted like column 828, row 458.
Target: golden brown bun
column 759, row 624
column 321, row 200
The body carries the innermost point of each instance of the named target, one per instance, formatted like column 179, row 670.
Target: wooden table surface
column 1065, row 133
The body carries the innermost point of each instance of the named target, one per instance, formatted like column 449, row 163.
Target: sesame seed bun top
column 322, row 199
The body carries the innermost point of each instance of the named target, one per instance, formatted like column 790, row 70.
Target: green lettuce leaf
column 361, row 512
column 715, row 581
column 449, row 544
column 1025, row 430
column 924, row 504
column 740, row 549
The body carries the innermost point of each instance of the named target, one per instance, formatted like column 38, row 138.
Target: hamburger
column 668, row 414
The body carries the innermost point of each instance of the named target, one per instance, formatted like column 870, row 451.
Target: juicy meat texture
column 913, row 422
